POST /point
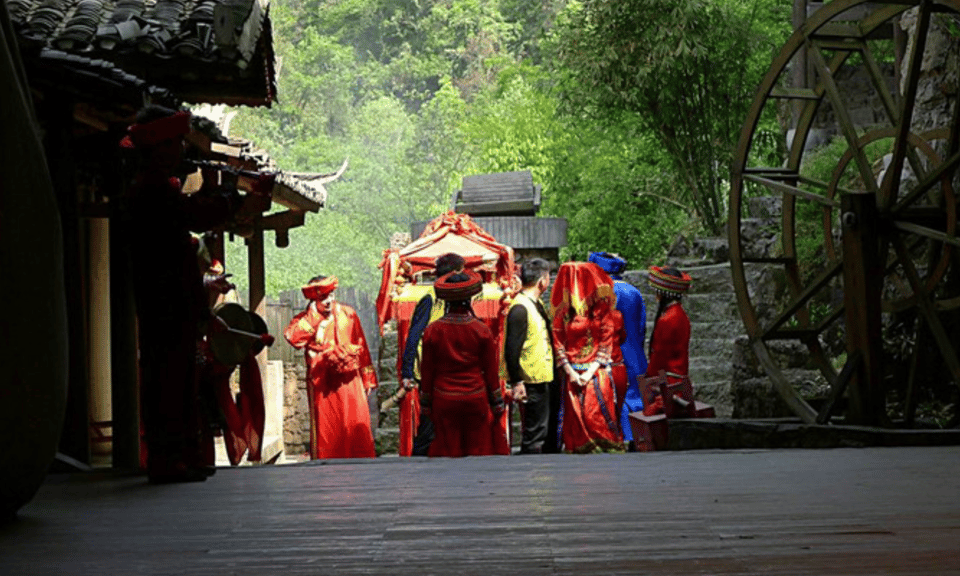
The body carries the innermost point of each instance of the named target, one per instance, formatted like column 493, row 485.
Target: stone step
column 757, row 397
column 710, row 363
column 711, row 347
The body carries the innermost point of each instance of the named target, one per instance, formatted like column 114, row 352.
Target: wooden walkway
column 789, row 512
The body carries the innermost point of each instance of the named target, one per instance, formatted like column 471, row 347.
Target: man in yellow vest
column 429, row 309
column 528, row 354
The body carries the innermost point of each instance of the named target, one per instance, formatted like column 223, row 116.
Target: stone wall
column 296, row 421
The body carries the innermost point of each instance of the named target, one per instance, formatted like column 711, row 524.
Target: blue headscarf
column 610, row 263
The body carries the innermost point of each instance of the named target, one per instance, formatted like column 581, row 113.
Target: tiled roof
column 499, row 194
column 94, row 79
column 213, row 51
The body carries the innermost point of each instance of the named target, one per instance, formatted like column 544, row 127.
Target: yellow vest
column 436, row 313
column 536, row 356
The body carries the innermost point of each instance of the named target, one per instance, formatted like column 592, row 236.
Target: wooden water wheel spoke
column 900, row 146
column 890, row 106
column 928, row 310
column 804, row 334
column 804, row 297
column 935, row 176
column 792, row 190
column 843, row 117
column 794, row 93
column 890, row 196
column 927, row 233
column 823, row 185
column 769, row 259
column 810, row 106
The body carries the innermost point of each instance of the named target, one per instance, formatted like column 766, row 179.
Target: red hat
column 668, row 284
column 319, row 289
column 460, row 288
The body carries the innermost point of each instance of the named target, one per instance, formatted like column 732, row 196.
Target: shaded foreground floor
column 845, row 511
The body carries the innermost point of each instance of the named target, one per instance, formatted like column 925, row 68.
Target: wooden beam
column 85, row 114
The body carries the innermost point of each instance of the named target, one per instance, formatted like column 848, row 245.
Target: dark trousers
column 552, row 443
column 536, row 418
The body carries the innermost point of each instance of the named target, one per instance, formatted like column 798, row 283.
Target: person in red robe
column 340, row 373
column 460, row 373
column 241, row 420
column 156, row 220
column 585, row 333
column 670, row 339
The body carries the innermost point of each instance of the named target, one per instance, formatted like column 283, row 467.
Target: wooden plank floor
column 845, row 511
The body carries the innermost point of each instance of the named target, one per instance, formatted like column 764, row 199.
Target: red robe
column 339, row 413
column 671, row 344
column 670, row 349
column 460, row 379
column 589, row 422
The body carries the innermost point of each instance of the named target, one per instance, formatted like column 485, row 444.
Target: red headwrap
column 668, row 284
column 152, row 133
column 319, row 289
column 458, row 291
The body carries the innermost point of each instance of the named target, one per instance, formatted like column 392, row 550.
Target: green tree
column 610, row 179
column 687, row 68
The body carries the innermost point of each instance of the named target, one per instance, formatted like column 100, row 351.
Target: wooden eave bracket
column 281, row 223
column 283, row 220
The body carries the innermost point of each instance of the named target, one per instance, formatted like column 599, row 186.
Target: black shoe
column 175, row 473
column 207, row 471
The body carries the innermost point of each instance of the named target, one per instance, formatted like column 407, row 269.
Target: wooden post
column 258, row 285
column 862, row 279
column 98, row 333
column 124, row 368
column 255, row 267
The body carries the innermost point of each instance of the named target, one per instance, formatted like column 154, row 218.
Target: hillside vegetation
column 626, row 111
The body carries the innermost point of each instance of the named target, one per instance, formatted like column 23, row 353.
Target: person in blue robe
column 631, row 306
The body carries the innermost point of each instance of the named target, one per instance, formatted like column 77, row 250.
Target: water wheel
column 868, row 252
